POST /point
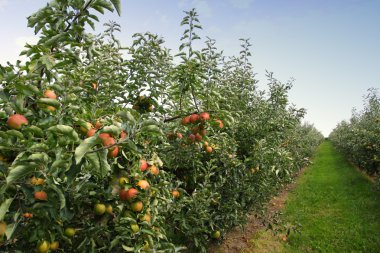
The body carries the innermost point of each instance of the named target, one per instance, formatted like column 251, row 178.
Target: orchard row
column 149, row 152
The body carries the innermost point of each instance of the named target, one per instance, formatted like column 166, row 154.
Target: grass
column 336, row 206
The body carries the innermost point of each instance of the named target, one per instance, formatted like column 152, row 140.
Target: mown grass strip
column 336, row 206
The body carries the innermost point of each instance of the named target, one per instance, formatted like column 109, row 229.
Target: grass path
column 336, row 206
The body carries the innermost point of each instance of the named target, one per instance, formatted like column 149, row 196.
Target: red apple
column 15, row 121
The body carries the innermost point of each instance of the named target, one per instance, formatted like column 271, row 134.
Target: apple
column 135, row 228
column 194, row 118
column 198, row 137
column 191, row 137
column 179, row 135
column 143, row 165
column 154, row 170
column 123, row 135
column 91, row 132
column 87, row 126
column 15, row 121
column 43, row 247
column 216, row 234
column 128, row 194
column 137, row 206
column 113, row 153
column 123, row 181
column 40, row 195
column 143, row 184
column 220, row 123
column 54, row 245
column 98, row 125
column 109, row 209
column 175, row 193
column 70, row 232
column 204, row 116
column 185, row 120
column 146, row 218
column 104, row 136
column 208, row 149
column 100, row 209
column 50, row 94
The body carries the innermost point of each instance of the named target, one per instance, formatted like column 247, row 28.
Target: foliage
column 136, row 154
column 359, row 138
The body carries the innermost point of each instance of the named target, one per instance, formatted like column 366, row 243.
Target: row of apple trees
column 105, row 148
column 359, row 138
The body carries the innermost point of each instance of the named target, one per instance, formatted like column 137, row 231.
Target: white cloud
column 241, row 4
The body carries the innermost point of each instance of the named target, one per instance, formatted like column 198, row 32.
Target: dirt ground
column 254, row 237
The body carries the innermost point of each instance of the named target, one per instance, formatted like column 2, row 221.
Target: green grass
column 337, row 207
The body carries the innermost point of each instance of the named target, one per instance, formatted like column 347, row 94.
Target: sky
column 330, row 47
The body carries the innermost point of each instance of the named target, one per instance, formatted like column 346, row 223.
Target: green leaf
column 127, row 116
column 151, row 129
column 15, row 133
column 54, row 39
column 48, row 61
column 4, row 208
column 61, row 196
column 49, row 101
column 18, row 172
column 127, row 248
column 85, row 146
column 116, row 4
column 39, row 157
column 99, row 164
column 34, row 130
column 112, row 130
column 67, row 131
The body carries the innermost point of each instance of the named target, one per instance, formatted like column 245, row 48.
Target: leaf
column 4, row 208
column 61, row 196
column 152, row 129
column 18, row 172
column 11, row 228
column 34, row 130
column 127, row 116
column 85, row 146
column 15, row 133
column 67, row 131
column 116, row 4
column 56, row 38
column 49, row 101
column 48, row 61
column 99, row 164
column 127, row 248
column 112, row 130
column 39, row 157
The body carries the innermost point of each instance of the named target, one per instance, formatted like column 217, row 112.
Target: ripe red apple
column 175, row 193
column 191, row 137
column 154, row 170
column 194, row 118
column 143, row 165
column 203, row 132
column 104, row 136
column 40, row 195
column 131, row 193
column 50, row 94
column 123, row 135
column 208, row 149
column 15, row 121
column 204, row 116
column 143, row 184
column 91, row 132
column 98, row 125
column 220, row 123
column 86, row 128
column 198, row 137
column 113, row 152
column 179, row 135
column 123, row 194
column 185, row 120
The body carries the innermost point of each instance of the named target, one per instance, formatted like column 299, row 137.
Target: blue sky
column 331, row 48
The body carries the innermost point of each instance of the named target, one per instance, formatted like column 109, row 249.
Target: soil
column 238, row 239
